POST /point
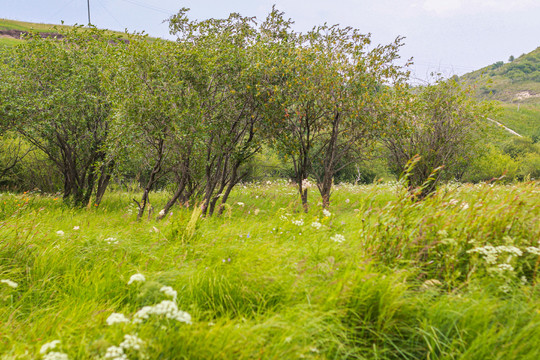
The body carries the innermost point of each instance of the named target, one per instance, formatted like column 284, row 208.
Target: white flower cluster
column 338, row 238
column 534, row 250
column 60, row 233
column 136, row 278
column 132, row 342
column 240, row 204
column 9, row 283
column 306, row 184
column 491, row 253
column 115, row 353
column 111, row 241
column 505, row 267
column 169, row 291
column 326, row 213
column 116, row 318
column 167, row 308
column 53, row 355
column 48, row 346
column 298, row 222
column 317, row 225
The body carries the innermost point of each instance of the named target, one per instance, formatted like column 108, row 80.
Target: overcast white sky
column 449, row 36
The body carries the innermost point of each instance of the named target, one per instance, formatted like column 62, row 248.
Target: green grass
column 525, row 120
column 403, row 285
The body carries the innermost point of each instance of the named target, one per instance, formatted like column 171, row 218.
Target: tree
column 154, row 104
column 52, row 95
column 222, row 76
column 441, row 124
column 324, row 88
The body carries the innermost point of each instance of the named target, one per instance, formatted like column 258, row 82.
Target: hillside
column 516, row 81
column 11, row 30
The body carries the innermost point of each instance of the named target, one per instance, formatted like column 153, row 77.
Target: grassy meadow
column 375, row 277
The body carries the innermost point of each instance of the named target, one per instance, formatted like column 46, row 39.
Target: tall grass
column 408, row 281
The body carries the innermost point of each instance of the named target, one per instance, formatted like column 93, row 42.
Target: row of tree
column 196, row 110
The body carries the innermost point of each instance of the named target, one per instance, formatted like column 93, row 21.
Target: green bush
column 492, row 164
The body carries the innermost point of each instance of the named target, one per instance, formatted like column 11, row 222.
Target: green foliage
column 492, row 164
column 440, row 128
column 52, row 96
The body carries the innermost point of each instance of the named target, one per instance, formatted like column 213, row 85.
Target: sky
column 451, row 37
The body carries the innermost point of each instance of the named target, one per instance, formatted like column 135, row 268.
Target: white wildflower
column 464, row 205
column 533, row 250
column 162, row 213
column 116, row 318
column 55, row 355
column 10, row 283
column 111, row 241
column 298, row 222
column 136, row 277
column 240, row 204
column 115, row 353
column 306, row 184
column 60, row 233
column 256, row 211
column 338, row 238
column 169, row 291
column 503, row 267
column 288, row 339
column 76, row 228
column 131, row 342
column 326, row 213
column 167, row 308
column 453, row 202
column 347, row 201
column 49, row 346
column 316, row 224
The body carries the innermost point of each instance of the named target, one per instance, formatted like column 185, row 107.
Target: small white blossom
column 55, row 355
column 338, row 238
column 298, row 222
column 162, row 213
column 76, row 228
column 533, row 250
column 316, row 224
column 60, row 233
column 48, row 346
column 326, row 213
column 136, row 278
column 167, row 308
column 131, row 342
column 111, row 241
column 115, row 353
column 10, row 283
column 116, row 318
column 503, row 267
column 347, row 201
column 169, row 291
column 240, row 204
column 306, row 184
column 256, row 211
